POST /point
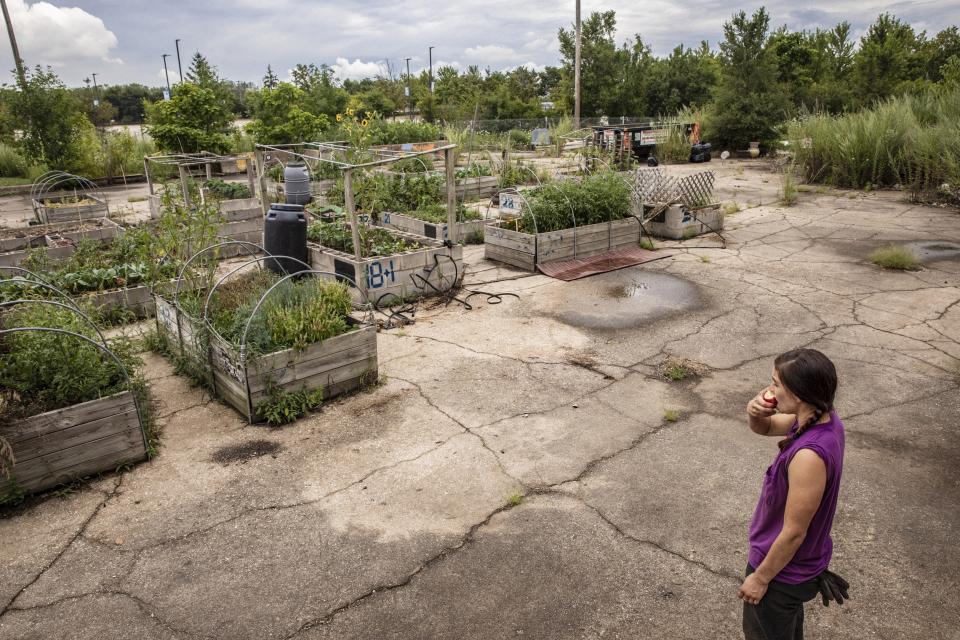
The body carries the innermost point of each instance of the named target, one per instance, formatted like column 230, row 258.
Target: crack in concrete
column 142, row 605
column 462, row 543
column 727, row 575
column 83, row 526
column 465, row 428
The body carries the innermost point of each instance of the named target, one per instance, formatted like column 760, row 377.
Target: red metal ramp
column 600, row 263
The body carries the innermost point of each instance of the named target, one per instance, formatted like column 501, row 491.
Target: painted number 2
column 378, row 273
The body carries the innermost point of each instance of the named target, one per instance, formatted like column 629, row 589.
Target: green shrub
column 12, row 162
column 519, row 139
column 912, row 140
column 386, row 132
column 675, row 147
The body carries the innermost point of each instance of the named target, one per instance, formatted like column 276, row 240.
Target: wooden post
column 209, row 167
column 184, row 185
column 262, row 170
column 450, row 160
column 146, row 174
column 250, row 178
column 354, row 227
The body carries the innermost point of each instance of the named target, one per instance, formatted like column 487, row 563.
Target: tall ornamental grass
column 912, row 141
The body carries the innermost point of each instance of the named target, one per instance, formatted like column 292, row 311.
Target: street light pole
column 13, row 45
column 165, row 72
column 430, row 54
column 176, row 43
column 576, row 74
column 409, row 93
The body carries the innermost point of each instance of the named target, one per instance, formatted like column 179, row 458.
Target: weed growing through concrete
column 677, row 369
column 788, row 187
column 704, row 258
column 893, row 257
column 671, row 415
column 731, row 208
column 515, row 499
column 647, row 243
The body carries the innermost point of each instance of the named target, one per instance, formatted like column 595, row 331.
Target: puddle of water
column 930, row 251
column 622, row 299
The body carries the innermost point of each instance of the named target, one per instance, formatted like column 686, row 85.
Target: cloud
column 60, row 35
column 174, row 76
column 356, row 70
column 491, row 54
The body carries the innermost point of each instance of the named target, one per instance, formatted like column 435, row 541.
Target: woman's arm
column 807, row 478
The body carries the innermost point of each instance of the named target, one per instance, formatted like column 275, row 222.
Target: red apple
column 769, row 398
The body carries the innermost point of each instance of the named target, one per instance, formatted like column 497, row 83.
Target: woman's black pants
column 779, row 616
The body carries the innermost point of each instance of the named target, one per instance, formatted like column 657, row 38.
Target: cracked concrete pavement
column 517, row 473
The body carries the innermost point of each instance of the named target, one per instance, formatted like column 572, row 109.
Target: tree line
column 744, row 89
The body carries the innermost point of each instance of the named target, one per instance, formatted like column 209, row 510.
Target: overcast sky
column 123, row 40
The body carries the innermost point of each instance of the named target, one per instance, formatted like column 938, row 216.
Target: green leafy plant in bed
column 374, row 241
column 437, row 213
column 566, row 203
column 294, row 315
column 475, row 170
column 376, row 192
column 227, row 190
column 43, row 371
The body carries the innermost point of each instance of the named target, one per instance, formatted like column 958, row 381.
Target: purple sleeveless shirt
column 813, row 556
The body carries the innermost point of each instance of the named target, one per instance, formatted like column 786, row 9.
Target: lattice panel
column 696, row 190
column 654, row 185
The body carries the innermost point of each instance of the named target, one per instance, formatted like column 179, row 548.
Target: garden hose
column 404, row 315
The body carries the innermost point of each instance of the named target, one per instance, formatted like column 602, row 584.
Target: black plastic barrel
column 285, row 234
column 296, row 183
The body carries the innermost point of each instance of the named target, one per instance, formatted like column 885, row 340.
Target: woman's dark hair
column 810, row 376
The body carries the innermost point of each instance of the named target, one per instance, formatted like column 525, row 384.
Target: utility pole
column 430, row 54
column 576, row 74
column 13, row 45
column 165, row 72
column 179, row 68
column 409, row 93
column 96, row 89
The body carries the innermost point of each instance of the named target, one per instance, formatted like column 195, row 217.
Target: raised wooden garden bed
column 244, row 222
column 62, row 209
column 399, row 275
column 481, row 187
column 58, row 446
column 59, row 238
column 433, row 230
column 337, row 365
column 135, row 301
column 527, row 250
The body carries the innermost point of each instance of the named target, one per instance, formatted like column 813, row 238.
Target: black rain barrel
column 285, row 234
column 296, row 183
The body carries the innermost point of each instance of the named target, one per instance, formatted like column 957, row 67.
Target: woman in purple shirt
column 790, row 544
